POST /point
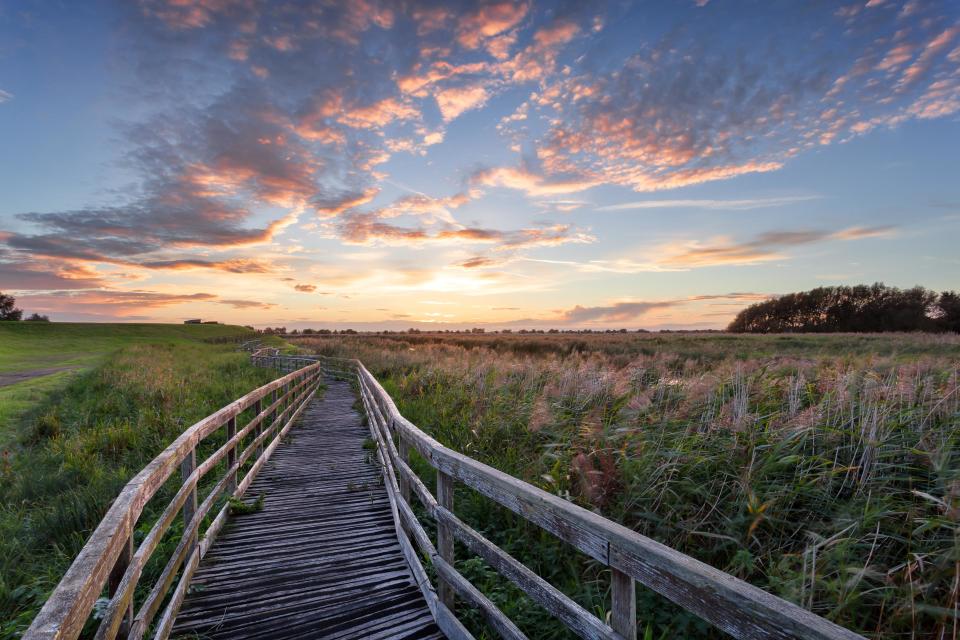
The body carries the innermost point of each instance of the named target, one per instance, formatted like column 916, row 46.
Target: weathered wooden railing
column 110, row 562
column 110, row 565
column 731, row 604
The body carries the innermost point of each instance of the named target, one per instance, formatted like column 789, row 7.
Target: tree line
column 860, row 308
column 10, row 312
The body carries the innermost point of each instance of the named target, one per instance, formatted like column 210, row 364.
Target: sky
column 384, row 165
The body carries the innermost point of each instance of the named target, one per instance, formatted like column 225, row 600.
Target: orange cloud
column 367, row 229
column 532, row 183
column 378, row 114
column 234, row 265
column 456, row 100
column 192, row 14
column 489, row 20
column 558, row 33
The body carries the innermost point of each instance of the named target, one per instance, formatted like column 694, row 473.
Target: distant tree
column 36, row 317
column 7, row 309
column 949, row 311
column 861, row 308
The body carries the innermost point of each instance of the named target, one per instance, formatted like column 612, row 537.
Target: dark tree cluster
column 9, row 311
column 860, row 309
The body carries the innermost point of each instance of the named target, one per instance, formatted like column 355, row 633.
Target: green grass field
column 71, row 440
column 46, row 357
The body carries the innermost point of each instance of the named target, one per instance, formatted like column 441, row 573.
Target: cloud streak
column 719, row 205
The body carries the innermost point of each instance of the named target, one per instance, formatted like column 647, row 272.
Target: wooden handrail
column 735, row 606
column 109, row 557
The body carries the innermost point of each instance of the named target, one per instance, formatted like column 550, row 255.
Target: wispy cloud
column 762, row 248
column 5, row 96
column 618, row 312
column 727, row 205
column 247, row 304
column 633, row 310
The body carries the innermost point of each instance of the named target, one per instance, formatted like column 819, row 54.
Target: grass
column 824, row 469
column 69, row 456
column 76, row 348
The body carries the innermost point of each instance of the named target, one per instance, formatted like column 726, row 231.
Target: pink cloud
column 489, row 20
column 925, row 60
column 531, row 182
column 457, row 100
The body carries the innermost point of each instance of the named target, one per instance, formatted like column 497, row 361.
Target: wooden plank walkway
column 321, row 560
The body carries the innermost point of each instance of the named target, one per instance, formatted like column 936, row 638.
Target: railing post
column 113, row 583
column 231, row 456
column 444, row 534
column 624, row 596
column 190, row 506
column 404, row 450
column 257, row 408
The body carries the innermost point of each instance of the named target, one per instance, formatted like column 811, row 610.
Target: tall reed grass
column 825, row 469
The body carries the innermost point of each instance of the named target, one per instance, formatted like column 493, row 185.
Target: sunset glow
column 382, row 165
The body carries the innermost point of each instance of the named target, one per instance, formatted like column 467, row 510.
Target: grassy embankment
column 39, row 358
column 825, row 469
column 80, row 437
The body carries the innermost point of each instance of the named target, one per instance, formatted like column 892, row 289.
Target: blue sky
column 377, row 165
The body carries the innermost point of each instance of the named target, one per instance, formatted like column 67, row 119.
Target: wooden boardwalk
column 322, row 559
column 337, row 552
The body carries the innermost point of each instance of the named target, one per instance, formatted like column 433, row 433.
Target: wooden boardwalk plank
column 321, row 560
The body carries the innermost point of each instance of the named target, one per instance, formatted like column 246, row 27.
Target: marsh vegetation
column 825, row 469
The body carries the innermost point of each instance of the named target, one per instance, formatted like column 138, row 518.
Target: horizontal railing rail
column 110, row 561
column 736, row 607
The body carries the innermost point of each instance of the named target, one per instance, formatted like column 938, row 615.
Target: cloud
column 456, row 100
column 247, row 304
column 332, row 205
column 367, row 229
column 696, row 107
column 377, row 114
column 108, row 303
column 618, row 312
column 531, row 182
column 25, row 275
column 233, row 265
column 695, row 254
column 763, row 248
column 628, row 311
column 306, row 288
column 5, row 96
column 488, row 20
column 731, row 205
column 477, row 262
